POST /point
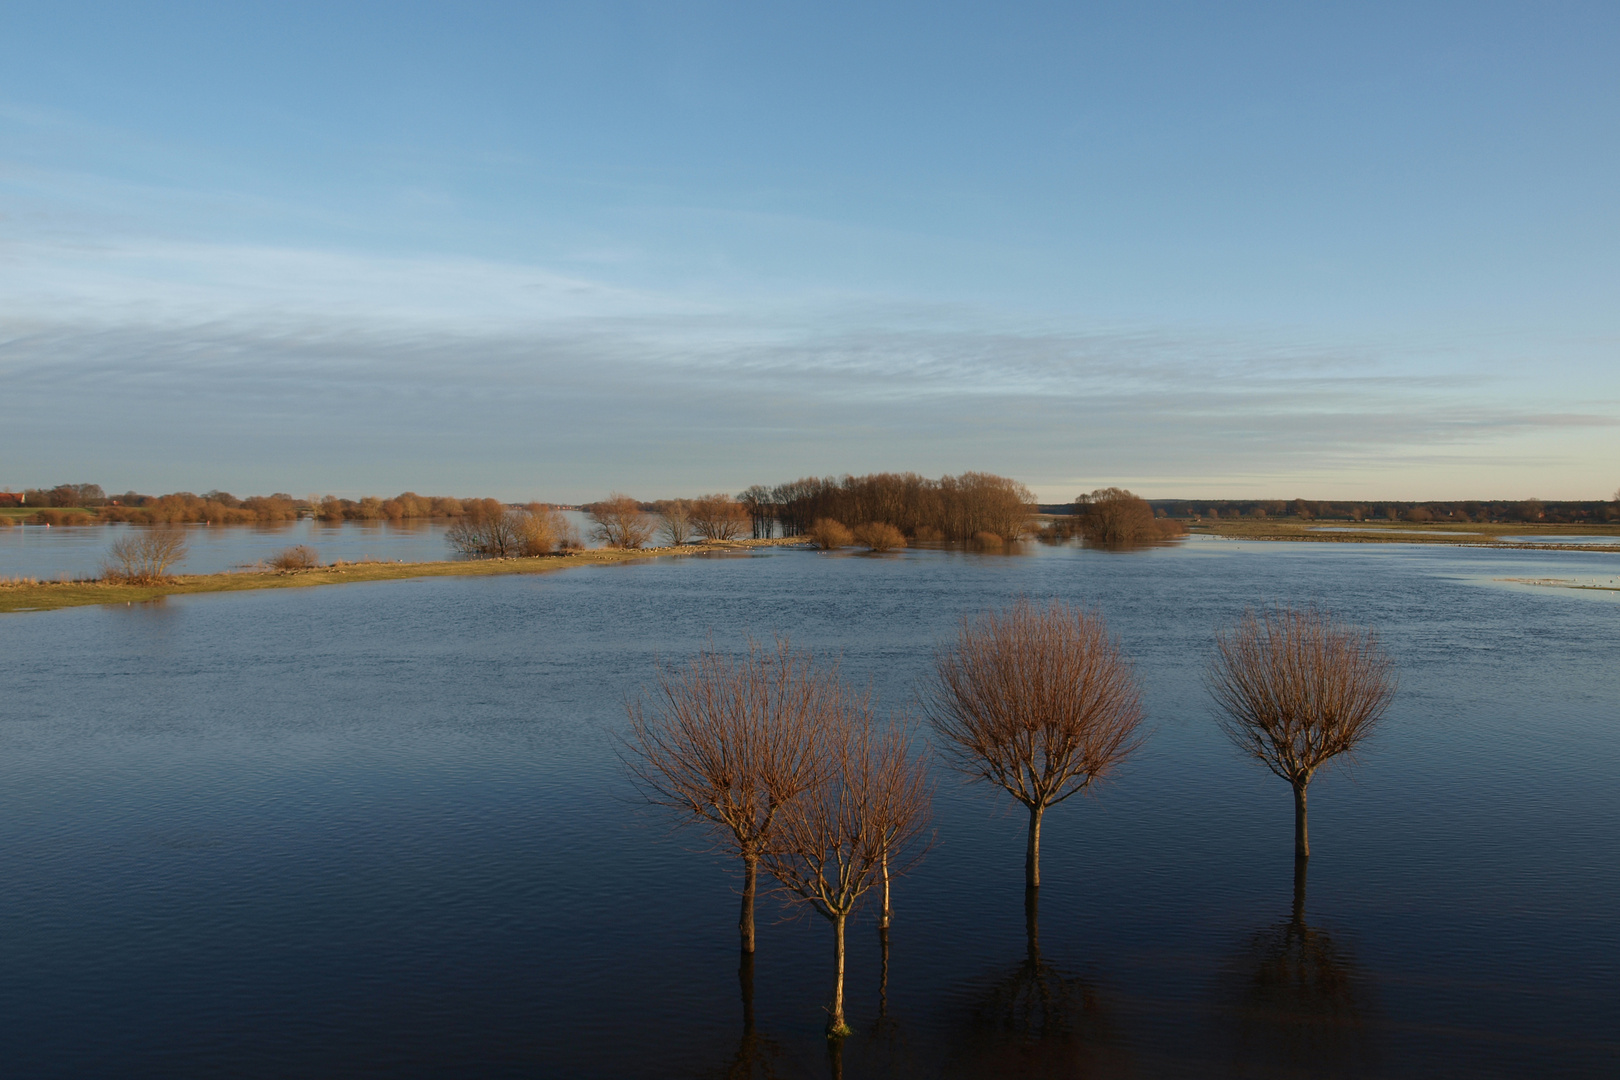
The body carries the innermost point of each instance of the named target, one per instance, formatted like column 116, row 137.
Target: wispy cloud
column 184, row 364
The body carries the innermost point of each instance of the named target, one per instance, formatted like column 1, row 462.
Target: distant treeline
column 68, row 504
column 950, row 508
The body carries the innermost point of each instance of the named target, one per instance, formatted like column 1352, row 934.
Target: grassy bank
column 1480, row 534
column 49, row 595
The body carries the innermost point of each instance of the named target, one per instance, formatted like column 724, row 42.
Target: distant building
column 11, row 498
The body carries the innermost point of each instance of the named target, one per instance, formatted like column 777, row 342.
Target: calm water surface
column 380, row 830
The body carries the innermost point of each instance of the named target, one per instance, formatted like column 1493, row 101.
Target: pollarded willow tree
column 864, row 822
column 1039, row 701
column 1296, row 689
column 728, row 744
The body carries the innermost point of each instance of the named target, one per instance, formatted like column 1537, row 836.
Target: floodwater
column 380, row 829
column 78, row 551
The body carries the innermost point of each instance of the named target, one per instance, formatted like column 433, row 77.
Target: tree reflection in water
column 885, row 1045
column 1300, row 1006
column 1038, row 1021
column 757, row 1054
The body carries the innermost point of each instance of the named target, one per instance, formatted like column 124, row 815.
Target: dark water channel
column 380, row 830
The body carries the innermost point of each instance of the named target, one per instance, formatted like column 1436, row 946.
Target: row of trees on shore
column 69, row 504
column 1502, row 511
column 951, row 508
column 787, row 769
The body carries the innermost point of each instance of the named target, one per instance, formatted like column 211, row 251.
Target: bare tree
column 728, row 743
column 509, row 533
column 863, row 822
column 486, row 536
column 761, row 507
column 620, row 522
column 675, row 520
column 144, row 558
column 720, row 517
column 1297, row 689
column 1038, row 701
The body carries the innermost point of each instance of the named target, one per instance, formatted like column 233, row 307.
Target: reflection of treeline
column 950, row 508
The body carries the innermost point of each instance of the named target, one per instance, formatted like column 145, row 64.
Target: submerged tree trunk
column 745, row 922
column 1032, row 924
column 1032, row 854
column 883, row 975
column 1302, row 836
column 836, row 1028
column 883, row 918
column 1299, row 890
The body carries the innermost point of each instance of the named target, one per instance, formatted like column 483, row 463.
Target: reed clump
column 829, row 535
column 879, row 536
column 298, row 557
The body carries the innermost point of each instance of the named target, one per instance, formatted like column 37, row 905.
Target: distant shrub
column 144, row 558
column 484, row 533
column 301, row 557
column 63, row 517
column 1115, row 517
column 879, row 536
column 720, row 517
column 829, row 535
column 988, row 541
column 620, row 522
column 1059, row 529
column 545, row 531
column 927, row 534
column 674, row 520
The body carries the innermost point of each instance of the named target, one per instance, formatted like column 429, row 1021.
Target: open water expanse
column 380, row 829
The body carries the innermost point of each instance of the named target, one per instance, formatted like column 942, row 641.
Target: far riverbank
column 29, row 595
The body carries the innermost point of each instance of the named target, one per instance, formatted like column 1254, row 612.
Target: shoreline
column 1476, row 535
column 32, row 596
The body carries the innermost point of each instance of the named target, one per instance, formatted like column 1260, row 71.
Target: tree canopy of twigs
column 1296, row 689
column 863, row 822
column 674, row 520
column 720, row 517
column 727, row 744
column 618, row 521
column 144, row 557
column 1039, row 701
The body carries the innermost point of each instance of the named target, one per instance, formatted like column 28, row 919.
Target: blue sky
column 547, row 251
